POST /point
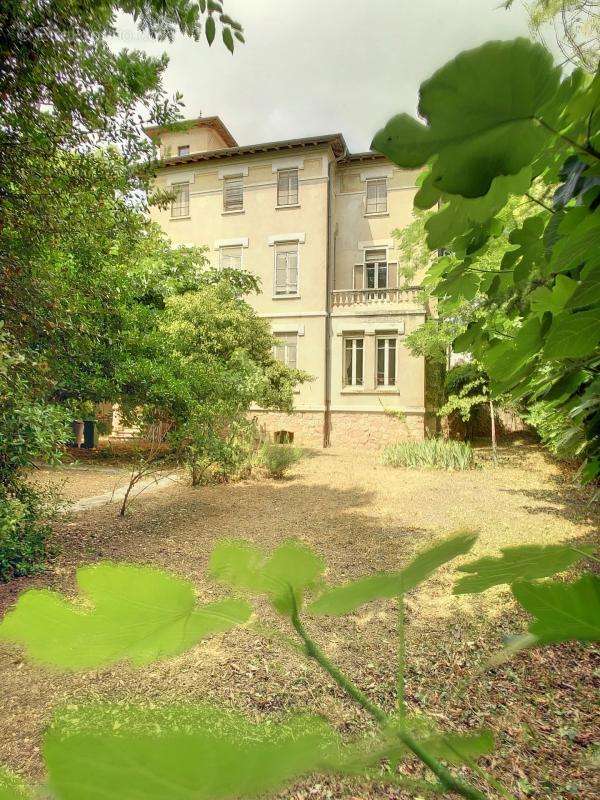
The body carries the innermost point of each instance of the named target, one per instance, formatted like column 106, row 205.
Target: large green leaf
column 460, row 214
column 562, row 611
column 12, row 787
column 517, row 563
column 179, row 753
column 505, row 360
column 292, row 568
column 459, row 749
column 126, row 613
column 554, row 300
column 587, row 292
column 481, row 111
column 580, row 243
column 350, row 596
column 573, row 335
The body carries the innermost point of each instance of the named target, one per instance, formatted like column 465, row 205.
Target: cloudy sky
column 322, row 66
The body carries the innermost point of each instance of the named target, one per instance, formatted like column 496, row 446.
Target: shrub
column 432, row 453
column 24, row 532
column 277, row 458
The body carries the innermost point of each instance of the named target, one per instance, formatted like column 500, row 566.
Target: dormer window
column 183, row 150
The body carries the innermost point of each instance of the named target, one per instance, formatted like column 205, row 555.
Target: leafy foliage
column 517, row 181
column 344, row 599
column 284, row 576
column 429, row 454
column 515, row 564
column 185, row 752
column 12, row 787
column 475, row 141
column 278, row 458
column 562, row 611
column 201, row 751
column 137, row 614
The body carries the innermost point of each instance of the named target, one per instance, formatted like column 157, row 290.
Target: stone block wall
column 348, row 428
column 374, row 429
column 307, row 426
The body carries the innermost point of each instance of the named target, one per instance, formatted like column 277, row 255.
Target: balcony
column 341, row 298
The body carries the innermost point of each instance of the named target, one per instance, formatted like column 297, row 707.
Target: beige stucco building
column 315, row 223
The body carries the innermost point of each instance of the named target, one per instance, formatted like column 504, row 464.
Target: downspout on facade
column 329, row 261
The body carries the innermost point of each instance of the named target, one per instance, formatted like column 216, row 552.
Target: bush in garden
column 278, row 458
column 30, row 431
column 23, row 532
column 429, row 454
column 140, row 615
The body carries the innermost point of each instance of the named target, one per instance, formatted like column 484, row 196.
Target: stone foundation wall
column 348, row 428
column 307, row 426
column 374, row 429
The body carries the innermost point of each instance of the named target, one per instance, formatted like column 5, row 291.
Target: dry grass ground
column 362, row 516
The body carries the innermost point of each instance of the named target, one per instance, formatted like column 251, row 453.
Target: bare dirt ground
column 363, row 517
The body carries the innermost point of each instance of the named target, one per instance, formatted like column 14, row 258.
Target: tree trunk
column 493, row 429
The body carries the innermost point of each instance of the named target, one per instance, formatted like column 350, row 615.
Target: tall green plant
column 138, row 614
column 503, row 127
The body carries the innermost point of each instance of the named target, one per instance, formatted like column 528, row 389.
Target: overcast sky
column 324, row 66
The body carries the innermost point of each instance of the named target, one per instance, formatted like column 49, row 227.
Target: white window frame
column 224, row 256
column 380, row 204
column 285, row 248
column 228, row 181
column 292, row 197
column 376, row 265
column 180, row 209
column 386, row 340
column 181, row 147
column 354, row 349
column 289, row 343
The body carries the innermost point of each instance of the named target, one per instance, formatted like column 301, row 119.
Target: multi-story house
column 315, row 223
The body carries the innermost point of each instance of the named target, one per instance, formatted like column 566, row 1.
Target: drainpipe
column 329, row 260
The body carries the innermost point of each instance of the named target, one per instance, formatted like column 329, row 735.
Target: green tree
column 492, row 142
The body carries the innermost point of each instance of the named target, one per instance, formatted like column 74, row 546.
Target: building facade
column 314, row 222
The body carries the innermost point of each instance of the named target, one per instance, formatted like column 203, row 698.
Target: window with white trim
column 287, row 187
column 286, row 349
column 286, row 268
column 353, row 361
column 230, row 257
column 376, row 195
column 180, row 205
column 233, row 193
column 386, row 361
column 183, row 150
column 376, row 269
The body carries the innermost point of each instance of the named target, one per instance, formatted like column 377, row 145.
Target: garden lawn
column 363, row 517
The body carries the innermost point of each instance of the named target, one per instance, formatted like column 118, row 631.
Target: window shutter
column 287, row 187
column 280, row 273
column 230, row 258
column 233, row 194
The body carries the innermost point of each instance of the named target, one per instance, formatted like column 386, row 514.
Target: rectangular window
column 286, row 349
column 353, row 362
column 233, row 194
column 376, row 196
column 230, row 257
column 287, row 187
column 376, row 269
column 183, row 150
column 286, row 268
column 180, row 205
column 386, row 362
